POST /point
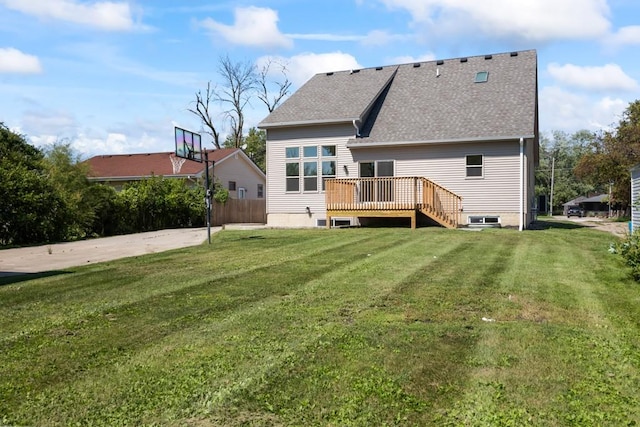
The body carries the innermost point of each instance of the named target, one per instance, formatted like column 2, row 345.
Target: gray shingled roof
column 424, row 102
column 331, row 97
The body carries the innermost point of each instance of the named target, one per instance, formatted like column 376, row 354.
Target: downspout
column 355, row 125
column 521, row 226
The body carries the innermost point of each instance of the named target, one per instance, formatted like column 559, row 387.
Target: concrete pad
column 59, row 256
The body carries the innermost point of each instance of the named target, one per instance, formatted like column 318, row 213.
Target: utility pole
column 553, row 166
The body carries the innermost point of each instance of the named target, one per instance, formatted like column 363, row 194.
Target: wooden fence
column 240, row 211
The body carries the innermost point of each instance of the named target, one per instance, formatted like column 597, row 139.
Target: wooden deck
column 392, row 197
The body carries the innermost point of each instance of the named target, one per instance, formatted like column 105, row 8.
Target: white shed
column 635, row 197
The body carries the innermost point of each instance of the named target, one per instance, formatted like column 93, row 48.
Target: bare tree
column 239, row 86
column 240, row 81
column 263, row 83
column 202, row 110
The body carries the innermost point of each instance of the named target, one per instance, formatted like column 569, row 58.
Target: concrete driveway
column 59, row 256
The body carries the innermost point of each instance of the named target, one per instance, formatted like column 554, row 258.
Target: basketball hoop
column 177, row 163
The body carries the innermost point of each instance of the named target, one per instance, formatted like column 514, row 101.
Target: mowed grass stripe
column 391, row 335
column 130, row 327
column 529, row 367
column 103, row 288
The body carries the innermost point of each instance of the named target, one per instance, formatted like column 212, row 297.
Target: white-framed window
column 242, row 193
column 311, row 164
column 293, row 176
column 475, row 166
column 311, row 176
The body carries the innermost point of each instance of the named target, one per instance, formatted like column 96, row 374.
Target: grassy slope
column 340, row 327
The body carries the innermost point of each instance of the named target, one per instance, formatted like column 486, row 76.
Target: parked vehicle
column 575, row 211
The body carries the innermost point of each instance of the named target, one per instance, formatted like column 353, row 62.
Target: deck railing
column 392, row 194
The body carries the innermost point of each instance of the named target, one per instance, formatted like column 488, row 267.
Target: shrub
column 629, row 248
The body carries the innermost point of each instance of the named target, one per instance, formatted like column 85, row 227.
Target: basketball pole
column 207, row 194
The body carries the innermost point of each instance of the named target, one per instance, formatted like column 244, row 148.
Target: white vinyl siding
column 635, row 197
column 240, row 170
column 445, row 164
column 281, row 202
column 496, row 193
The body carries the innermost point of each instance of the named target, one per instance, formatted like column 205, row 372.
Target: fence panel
column 240, row 211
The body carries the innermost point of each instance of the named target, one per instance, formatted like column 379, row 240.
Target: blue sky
column 116, row 76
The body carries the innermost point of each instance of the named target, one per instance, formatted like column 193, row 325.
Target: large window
column 316, row 165
column 310, row 176
column 293, row 176
column 475, row 166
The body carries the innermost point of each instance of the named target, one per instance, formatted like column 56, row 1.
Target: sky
column 116, row 77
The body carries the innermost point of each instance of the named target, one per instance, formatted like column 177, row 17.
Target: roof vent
column 330, row 74
column 416, row 65
column 354, row 71
column 439, row 62
column 378, row 68
column 463, row 59
column 488, row 56
column 514, row 54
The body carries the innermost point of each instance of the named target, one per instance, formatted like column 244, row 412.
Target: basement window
column 482, row 76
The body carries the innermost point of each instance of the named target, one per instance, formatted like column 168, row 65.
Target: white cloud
column 104, row 15
column 14, row 61
column 301, row 68
column 382, row 38
column 59, row 123
column 606, row 77
column 530, row 20
column 568, row 111
column 625, row 36
column 407, row 59
column 325, row 37
column 253, row 26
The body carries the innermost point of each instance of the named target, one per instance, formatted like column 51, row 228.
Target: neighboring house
column 635, row 197
column 232, row 168
column 454, row 140
column 596, row 205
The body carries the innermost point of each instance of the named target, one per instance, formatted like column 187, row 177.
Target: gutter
column 360, row 144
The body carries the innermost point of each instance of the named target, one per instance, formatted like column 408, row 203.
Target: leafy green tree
column 612, row 154
column 31, row 208
column 560, row 154
column 254, row 145
column 157, row 203
column 68, row 174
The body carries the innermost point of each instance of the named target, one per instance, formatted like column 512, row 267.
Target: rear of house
column 454, row 141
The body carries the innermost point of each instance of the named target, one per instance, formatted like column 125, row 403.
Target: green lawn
column 362, row 327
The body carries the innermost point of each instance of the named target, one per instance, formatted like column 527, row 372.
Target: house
column 451, row 141
column 635, row 197
column 596, row 205
column 232, row 168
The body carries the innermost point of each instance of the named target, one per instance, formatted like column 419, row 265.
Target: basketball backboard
column 188, row 145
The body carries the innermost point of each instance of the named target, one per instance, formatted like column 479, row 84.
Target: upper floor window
column 475, row 165
column 292, row 152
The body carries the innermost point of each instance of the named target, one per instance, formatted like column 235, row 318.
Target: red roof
column 147, row 164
